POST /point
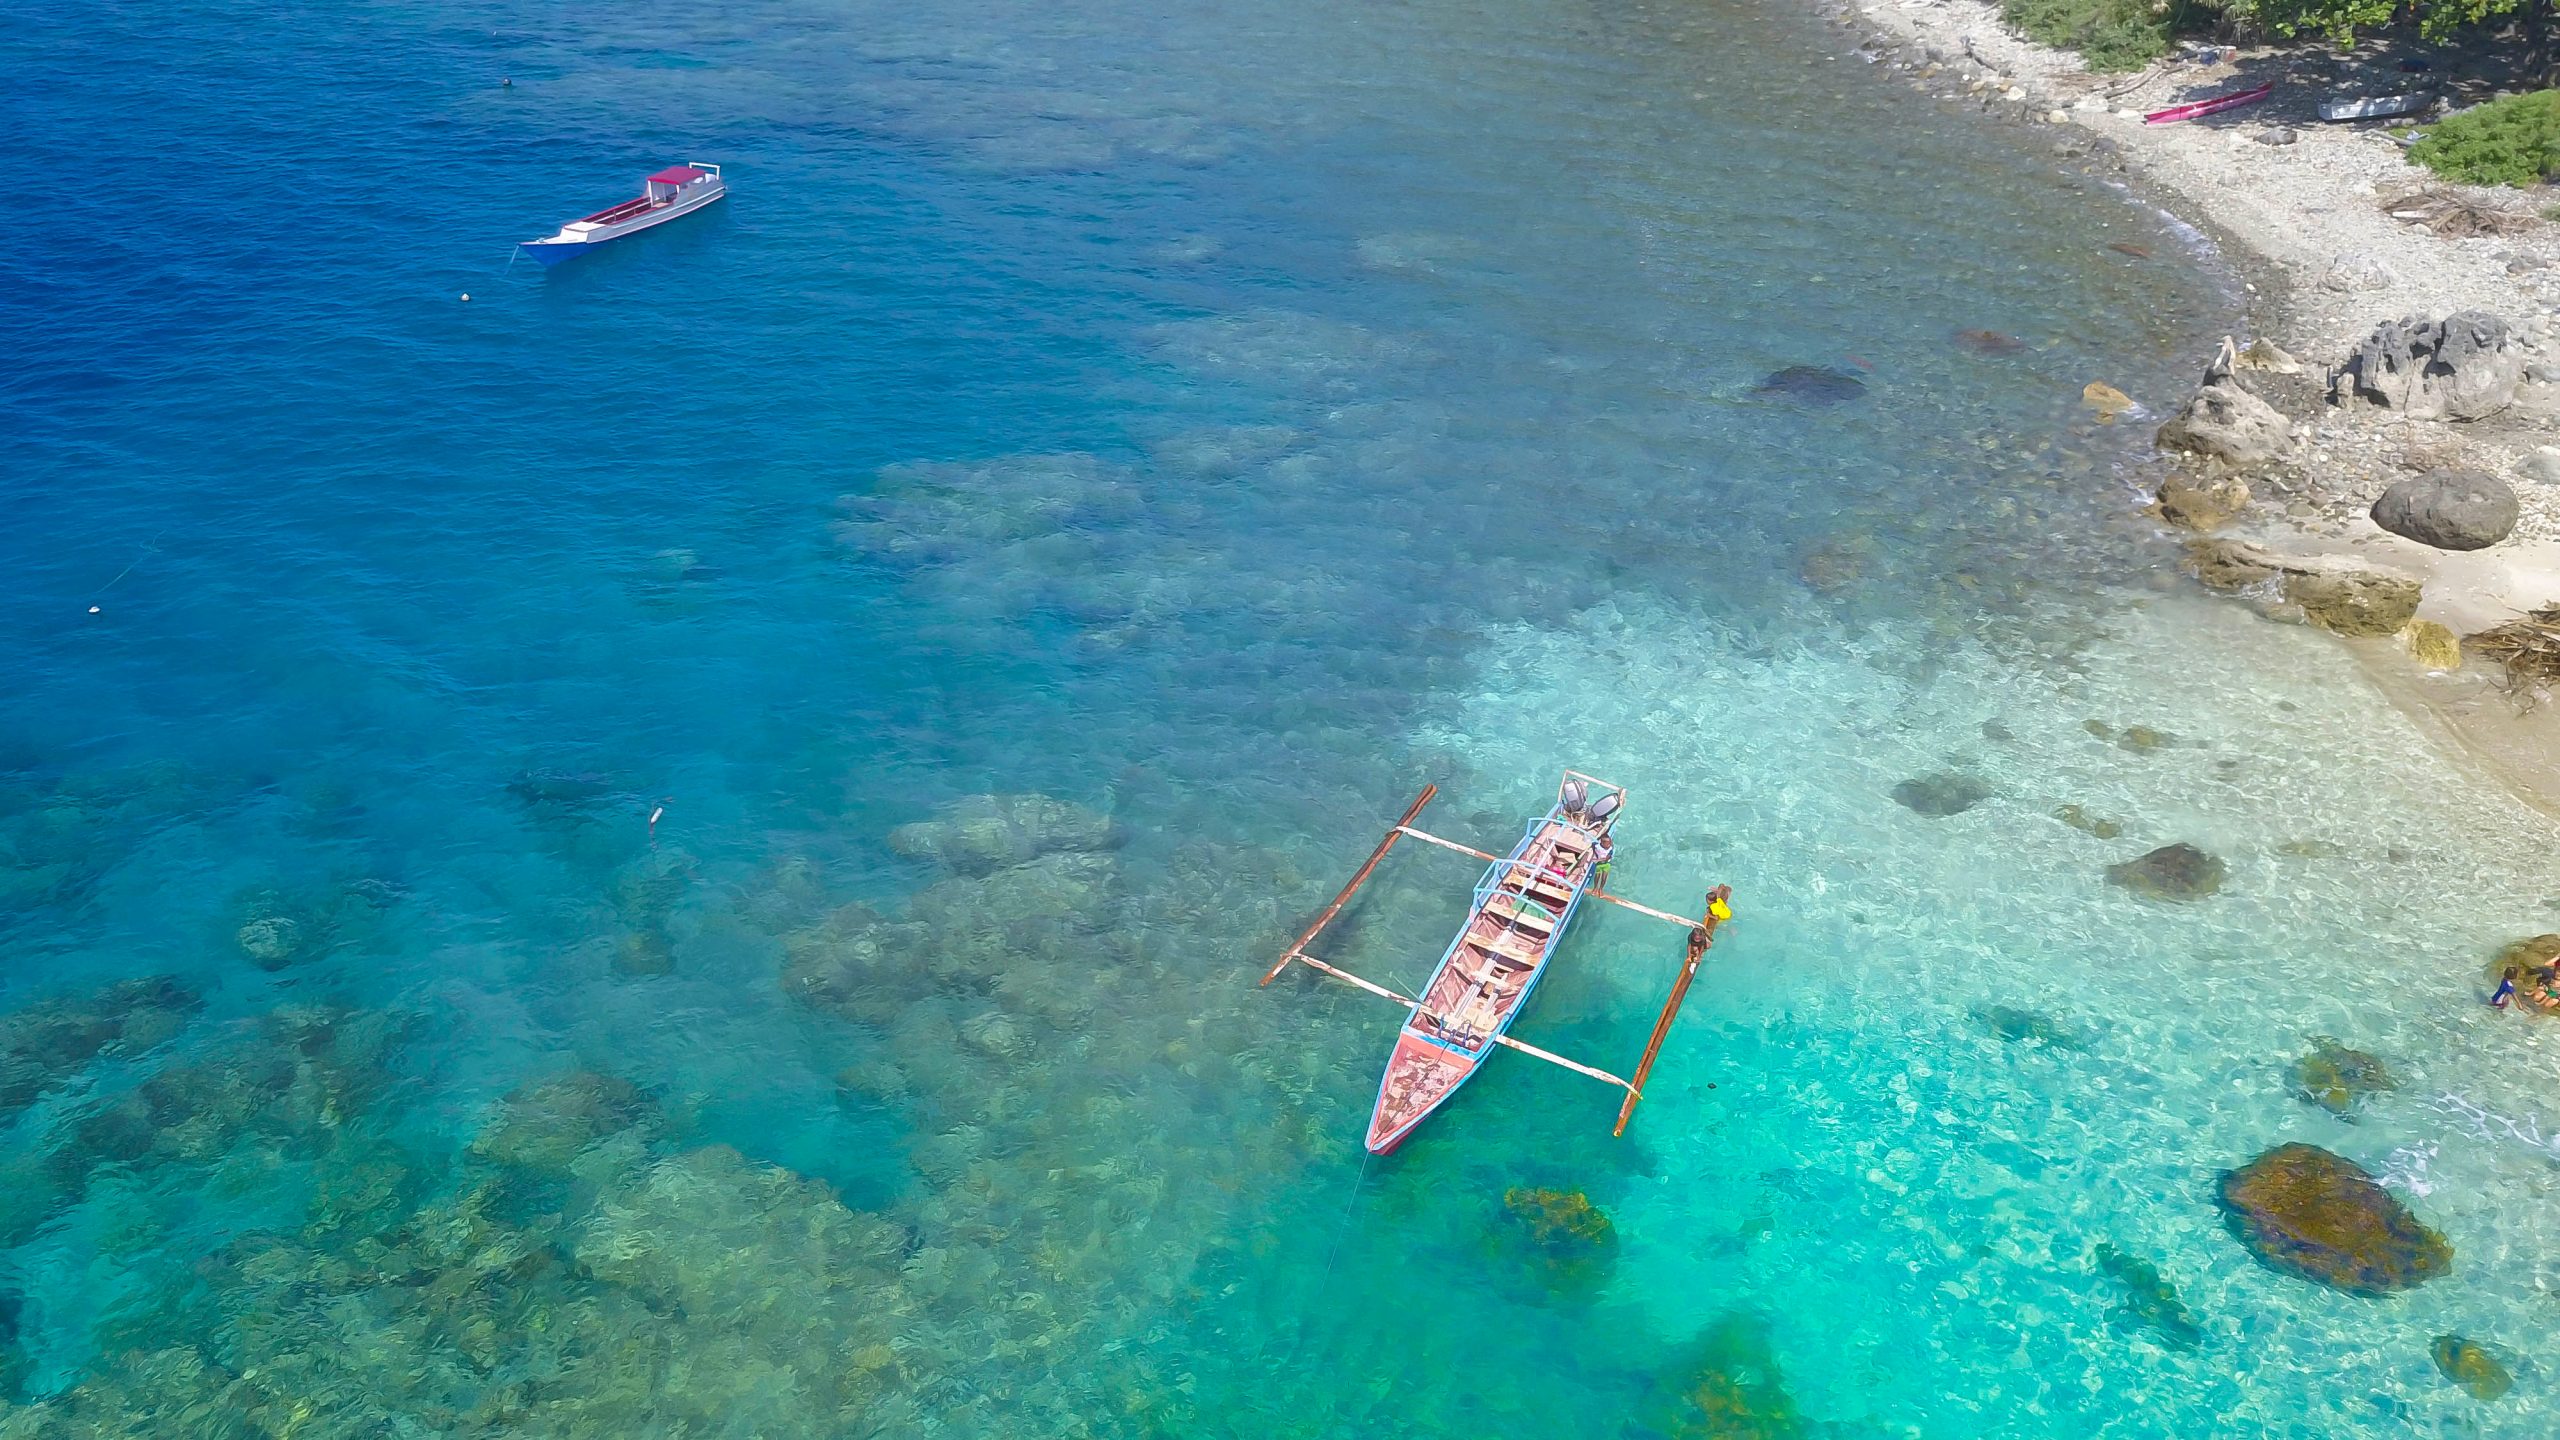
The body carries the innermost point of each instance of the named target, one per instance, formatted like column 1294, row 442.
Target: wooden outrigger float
column 1483, row 981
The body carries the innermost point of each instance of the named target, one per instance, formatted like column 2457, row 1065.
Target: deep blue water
column 1221, row 420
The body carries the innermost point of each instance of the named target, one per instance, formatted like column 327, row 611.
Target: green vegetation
column 2343, row 20
column 2109, row 34
column 2129, row 34
column 2514, row 141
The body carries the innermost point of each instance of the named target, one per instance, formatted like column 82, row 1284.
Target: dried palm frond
column 2451, row 213
column 2529, row 647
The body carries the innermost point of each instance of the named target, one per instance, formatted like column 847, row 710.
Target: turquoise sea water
column 1220, row 420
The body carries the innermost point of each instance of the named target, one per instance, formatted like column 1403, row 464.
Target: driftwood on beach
column 2529, row 647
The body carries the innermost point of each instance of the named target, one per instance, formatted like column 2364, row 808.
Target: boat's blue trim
column 550, row 254
column 1493, row 877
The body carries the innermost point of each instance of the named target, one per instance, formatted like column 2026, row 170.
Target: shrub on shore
column 2109, row 34
column 2513, row 141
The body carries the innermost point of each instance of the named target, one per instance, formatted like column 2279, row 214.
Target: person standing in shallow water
column 1600, row 862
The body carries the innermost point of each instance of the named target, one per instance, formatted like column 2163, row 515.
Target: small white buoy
column 93, row 609
column 466, row 297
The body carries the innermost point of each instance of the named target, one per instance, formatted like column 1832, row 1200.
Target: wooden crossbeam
column 1683, row 921
column 1430, row 839
column 1338, row 973
column 1552, row 1058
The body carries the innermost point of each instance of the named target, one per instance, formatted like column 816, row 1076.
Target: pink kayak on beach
column 2215, row 105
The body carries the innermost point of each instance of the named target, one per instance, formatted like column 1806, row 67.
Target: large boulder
column 2463, row 367
column 2227, row 423
column 2312, row 1214
column 2451, row 509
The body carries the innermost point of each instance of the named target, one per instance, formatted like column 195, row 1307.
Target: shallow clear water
column 1222, row 420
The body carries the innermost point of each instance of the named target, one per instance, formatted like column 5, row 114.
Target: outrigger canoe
column 1522, row 908
column 2212, row 105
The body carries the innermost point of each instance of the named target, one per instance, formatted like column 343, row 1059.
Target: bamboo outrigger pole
column 1394, row 833
column 1702, row 936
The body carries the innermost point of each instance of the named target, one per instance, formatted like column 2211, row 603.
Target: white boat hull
column 580, row 236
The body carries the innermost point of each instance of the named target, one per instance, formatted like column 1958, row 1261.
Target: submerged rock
column 1989, row 342
column 1942, row 794
column 2312, row 1214
column 289, row 1081
column 1568, row 1241
column 1730, row 1388
column 2142, row 739
column 2336, row 1078
column 2449, row 509
column 2172, row 872
column 2149, row 1299
column 2106, row 399
column 2016, row 1025
column 49, row 1041
column 546, row 1125
column 985, row 833
column 2089, row 824
column 2472, row 1366
column 562, row 789
column 1810, row 385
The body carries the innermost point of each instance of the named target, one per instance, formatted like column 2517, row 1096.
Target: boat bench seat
column 1510, row 947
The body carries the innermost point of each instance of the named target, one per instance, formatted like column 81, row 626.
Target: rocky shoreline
column 2379, row 455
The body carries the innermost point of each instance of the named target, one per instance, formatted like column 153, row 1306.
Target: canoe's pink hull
column 1420, row 1078
column 2214, row 106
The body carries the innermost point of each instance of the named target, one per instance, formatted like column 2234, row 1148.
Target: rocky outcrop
column 2463, row 367
column 2354, row 602
column 2227, row 423
column 2194, row 503
column 2311, row 1214
column 2343, row 597
column 2449, row 509
column 2172, row 872
column 2470, row 1364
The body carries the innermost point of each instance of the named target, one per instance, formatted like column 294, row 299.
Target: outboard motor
column 1606, row 806
column 1575, row 793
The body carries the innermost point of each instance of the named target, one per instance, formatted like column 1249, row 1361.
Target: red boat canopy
column 677, row 175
